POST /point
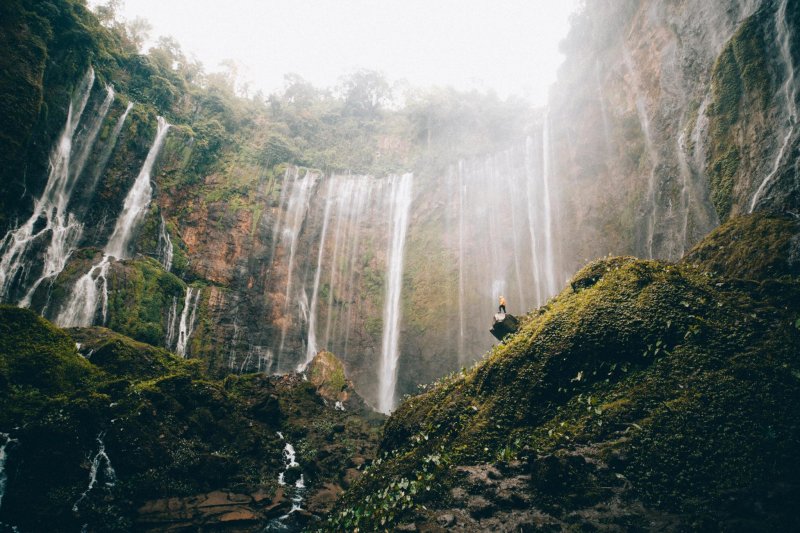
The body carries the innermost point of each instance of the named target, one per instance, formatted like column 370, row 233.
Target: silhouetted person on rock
column 502, row 307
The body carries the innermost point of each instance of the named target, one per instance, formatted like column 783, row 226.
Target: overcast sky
column 510, row 46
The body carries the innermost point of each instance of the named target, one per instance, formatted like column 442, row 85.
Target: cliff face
column 260, row 246
column 669, row 117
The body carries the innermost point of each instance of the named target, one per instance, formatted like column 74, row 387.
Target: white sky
column 510, row 46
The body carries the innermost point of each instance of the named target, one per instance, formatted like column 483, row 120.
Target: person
column 502, row 308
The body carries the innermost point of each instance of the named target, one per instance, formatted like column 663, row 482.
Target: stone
column 504, row 324
column 446, row 520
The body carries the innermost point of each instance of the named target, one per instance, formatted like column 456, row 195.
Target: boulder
column 504, row 324
column 327, row 374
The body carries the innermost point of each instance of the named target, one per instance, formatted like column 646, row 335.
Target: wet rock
column 504, row 324
column 446, row 520
column 327, row 374
column 323, row 499
column 219, row 510
column 292, row 474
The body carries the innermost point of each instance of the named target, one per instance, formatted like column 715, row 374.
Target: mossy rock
column 753, row 247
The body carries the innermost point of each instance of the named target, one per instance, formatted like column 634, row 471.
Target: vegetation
column 740, row 81
column 168, row 429
column 675, row 380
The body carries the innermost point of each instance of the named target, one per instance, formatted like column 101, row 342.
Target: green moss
column 752, row 247
column 140, row 296
column 687, row 374
column 741, row 87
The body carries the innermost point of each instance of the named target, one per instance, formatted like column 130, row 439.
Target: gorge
column 201, row 252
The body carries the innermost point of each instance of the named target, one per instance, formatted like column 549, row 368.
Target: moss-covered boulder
column 645, row 394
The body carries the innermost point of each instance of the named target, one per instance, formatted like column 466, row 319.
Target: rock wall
column 667, row 117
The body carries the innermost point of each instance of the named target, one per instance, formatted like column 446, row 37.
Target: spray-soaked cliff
column 671, row 116
column 251, row 233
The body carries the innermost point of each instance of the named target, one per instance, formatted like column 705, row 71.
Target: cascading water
column 81, row 307
column 137, row 200
column 311, row 349
column 789, row 91
column 296, row 208
column 99, row 459
column 172, row 324
column 108, row 149
column 401, row 189
column 650, row 201
column 3, row 457
column 188, row 318
column 289, row 457
column 165, row 249
column 59, row 227
column 510, row 227
column 549, row 257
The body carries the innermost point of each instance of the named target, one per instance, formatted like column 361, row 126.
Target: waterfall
column 462, row 190
column 504, row 235
column 295, row 215
column 172, row 324
column 401, row 188
column 81, row 308
column 109, row 147
column 67, row 232
column 651, row 203
column 3, row 457
column 549, row 257
column 789, row 90
column 188, row 318
column 165, row 249
column 60, row 226
column 290, row 461
column 110, row 475
column 311, row 345
column 137, row 200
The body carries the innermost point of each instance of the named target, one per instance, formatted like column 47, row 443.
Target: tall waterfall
column 502, row 218
column 137, row 200
column 301, row 188
column 60, row 231
column 400, row 208
column 81, row 307
column 188, row 319
column 789, row 92
column 311, row 348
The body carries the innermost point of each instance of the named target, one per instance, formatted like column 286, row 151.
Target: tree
column 365, row 92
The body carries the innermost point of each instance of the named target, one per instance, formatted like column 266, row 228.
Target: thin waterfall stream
column 81, row 307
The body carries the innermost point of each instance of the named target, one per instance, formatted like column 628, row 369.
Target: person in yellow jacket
column 502, row 307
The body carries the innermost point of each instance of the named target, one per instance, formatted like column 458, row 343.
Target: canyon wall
column 268, row 234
